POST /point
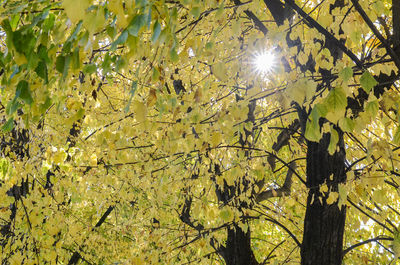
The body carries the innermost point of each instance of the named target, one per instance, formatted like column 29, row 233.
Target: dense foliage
column 143, row 132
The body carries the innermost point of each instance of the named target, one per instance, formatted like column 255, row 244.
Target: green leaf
column 43, row 53
column 76, row 62
column 24, row 42
column 346, row 74
column 8, row 126
column 43, row 107
column 367, row 81
column 334, row 139
column 174, row 55
column 156, row 32
column 336, row 103
column 396, row 137
column 33, row 60
column 89, row 68
column 79, row 114
column 321, row 109
column 14, row 21
column 24, row 92
column 346, row 124
column 72, row 37
column 313, row 131
column 111, row 31
column 120, row 40
column 15, row 71
column 39, row 18
column 41, row 71
column 372, row 108
column 132, row 94
column 141, row 3
column 62, row 64
column 48, row 24
column 136, row 24
column 106, row 65
column 12, row 106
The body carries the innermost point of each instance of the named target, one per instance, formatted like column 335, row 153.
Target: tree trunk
column 323, row 223
column 238, row 248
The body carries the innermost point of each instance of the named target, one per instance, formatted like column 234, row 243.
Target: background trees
column 143, row 132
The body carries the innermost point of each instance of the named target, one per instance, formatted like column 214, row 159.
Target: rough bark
column 238, row 248
column 323, row 223
column 396, row 22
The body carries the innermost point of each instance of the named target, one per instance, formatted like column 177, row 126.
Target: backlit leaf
column 24, row 92
column 367, row 81
column 75, row 9
column 219, row 70
column 336, row 103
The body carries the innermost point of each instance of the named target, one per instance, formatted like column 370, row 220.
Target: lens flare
column 264, row 62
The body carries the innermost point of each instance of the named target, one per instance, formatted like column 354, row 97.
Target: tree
column 141, row 132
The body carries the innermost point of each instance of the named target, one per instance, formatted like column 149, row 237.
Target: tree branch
column 282, row 191
column 375, row 239
column 376, row 221
column 268, row 218
column 77, row 256
column 257, row 22
column 396, row 22
column 314, row 24
column 371, row 25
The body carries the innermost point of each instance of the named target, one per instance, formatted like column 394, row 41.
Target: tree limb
column 314, row 24
column 371, row 25
column 77, row 256
column 375, row 239
column 282, row 191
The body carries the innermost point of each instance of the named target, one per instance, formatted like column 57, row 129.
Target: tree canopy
column 150, row 132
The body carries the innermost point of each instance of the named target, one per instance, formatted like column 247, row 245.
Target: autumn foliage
column 142, row 132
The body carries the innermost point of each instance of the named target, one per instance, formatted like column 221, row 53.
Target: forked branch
column 281, row 191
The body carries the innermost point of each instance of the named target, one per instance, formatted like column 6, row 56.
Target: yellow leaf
column 75, row 9
column 323, row 188
column 152, row 98
column 197, row 95
column 60, row 156
column 93, row 160
column 219, row 70
column 332, row 197
column 140, row 110
column 297, row 92
column 94, row 21
column 216, row 138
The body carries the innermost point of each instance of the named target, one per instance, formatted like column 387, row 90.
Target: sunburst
column 264, row 62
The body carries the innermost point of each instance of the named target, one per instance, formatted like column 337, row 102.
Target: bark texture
column 238, row 248
column 323, row 223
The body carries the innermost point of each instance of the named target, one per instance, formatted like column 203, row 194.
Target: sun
column 264, row 62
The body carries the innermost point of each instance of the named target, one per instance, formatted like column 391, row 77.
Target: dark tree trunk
column 238, row 248
column 323, row 223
